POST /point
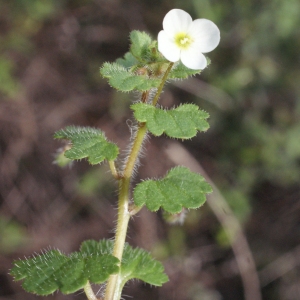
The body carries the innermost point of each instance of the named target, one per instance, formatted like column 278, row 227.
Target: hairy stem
column 89, row 292
column 112, row 290
column 113, row 169
column 114, row 285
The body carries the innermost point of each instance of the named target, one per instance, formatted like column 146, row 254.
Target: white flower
column 184, row 39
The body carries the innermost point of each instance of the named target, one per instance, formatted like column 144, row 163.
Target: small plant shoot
column 145, row 69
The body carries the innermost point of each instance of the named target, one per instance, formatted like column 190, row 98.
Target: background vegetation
column 50, row 54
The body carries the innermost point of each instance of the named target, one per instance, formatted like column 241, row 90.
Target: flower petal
column 167, row 47
column 176, row 20
column 193, row 58
column 205, row 33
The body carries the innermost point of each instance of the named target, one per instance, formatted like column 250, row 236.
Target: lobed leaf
column 179, row 189
column 51, row 271
column 124, row 80
column 181, row 122
column 128, row 61
column 138, row 264
column 88, row 143
column 180, row 71
column 140, row 45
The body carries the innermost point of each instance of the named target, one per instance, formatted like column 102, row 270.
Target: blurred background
column 50, row 55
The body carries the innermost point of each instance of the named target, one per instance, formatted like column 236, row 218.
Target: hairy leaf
column 124, row 80
column 138, row 264
column 88, row 143
column 52, row 270
column 180, row 71
column 181, row 122
column 140, row 45
column 128, row 61
column 181, row 188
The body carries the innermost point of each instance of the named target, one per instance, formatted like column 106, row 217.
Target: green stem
column 114, row 285
column 163, row 81
column 112, row 290
column 89, row 292
column 113, row 169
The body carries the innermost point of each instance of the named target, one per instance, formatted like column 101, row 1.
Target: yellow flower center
column 183, row 40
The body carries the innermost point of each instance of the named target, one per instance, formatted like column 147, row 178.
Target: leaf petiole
column 113, row 169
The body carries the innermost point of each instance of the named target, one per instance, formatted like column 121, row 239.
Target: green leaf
column 128, row 61
column 140, row 45
column 180, row 71
column 138, row 264
column 93, row 250
column 88, row 143
column 181, row 122
column 52, row 270
column 181, row 188
column 124, row 80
